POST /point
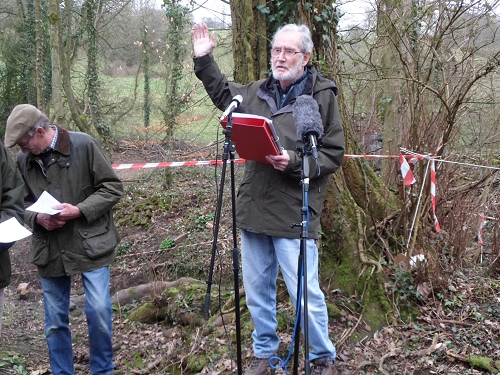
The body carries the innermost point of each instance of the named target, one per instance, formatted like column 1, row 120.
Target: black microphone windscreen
column 307, row 117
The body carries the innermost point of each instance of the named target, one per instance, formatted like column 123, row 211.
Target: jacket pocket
column 39, row 251
column 99, row 241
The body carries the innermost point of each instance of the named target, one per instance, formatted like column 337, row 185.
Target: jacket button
column 86, row 234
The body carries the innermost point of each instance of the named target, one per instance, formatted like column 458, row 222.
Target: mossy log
column 137, row 293
column 478, row 362
column 181, row 301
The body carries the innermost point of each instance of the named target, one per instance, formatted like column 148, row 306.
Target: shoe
column 258, row 366
column 322, row 366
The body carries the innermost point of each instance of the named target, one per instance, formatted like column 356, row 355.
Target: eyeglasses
column 288, row 52
column 25, row 144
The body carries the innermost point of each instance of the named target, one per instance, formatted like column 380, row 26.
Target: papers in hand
column 11, row 231
column 44, row 204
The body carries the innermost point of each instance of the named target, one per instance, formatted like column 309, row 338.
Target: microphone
column 231, row 107
column 308, row 121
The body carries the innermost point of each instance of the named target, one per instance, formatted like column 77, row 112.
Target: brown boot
column 322, row 366
column 258, row 366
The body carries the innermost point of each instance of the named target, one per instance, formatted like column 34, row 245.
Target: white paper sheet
column 11, row 230
column 44, row 204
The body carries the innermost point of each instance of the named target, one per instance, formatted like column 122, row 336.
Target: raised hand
column 203, row 42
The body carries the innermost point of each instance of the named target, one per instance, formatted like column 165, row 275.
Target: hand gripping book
column 254, row 137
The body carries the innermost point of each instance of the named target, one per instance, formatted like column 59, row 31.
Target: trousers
column 262, row 256
column 98, row 311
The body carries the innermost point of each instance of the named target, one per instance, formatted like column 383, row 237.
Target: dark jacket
column 78, row 172
column 269, row 201
column 11, row 205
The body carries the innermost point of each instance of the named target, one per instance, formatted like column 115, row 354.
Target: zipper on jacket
column 42, row 166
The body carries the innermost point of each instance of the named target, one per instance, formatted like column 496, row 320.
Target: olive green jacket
column 78, row 172
column 270, row 201
column 11, row 205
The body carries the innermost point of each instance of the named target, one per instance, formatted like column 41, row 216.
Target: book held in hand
column 254, row 137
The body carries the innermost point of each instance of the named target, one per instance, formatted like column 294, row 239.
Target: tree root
column 361, row 250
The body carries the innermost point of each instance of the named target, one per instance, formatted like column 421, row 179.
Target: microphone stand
column 229, row 150
column 304, row 152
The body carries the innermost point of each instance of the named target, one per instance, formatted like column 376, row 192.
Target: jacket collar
column 63, row 142
column 62, row 146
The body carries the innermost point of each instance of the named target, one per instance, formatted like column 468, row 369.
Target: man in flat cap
column 81, row 239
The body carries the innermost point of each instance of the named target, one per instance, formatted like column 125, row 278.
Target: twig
column 150, row 367
column 393, row 352
column 431, row 349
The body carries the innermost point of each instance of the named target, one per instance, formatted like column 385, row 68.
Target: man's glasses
column 286, row 51
column 25, row 144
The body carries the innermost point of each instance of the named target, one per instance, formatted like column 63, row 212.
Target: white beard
column 291, row 75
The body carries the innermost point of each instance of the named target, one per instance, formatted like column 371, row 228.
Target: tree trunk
column 390, row 101
column 40, row 100
column 55, row 53
column 242, row 18
column 356, row 202
column 69, row 49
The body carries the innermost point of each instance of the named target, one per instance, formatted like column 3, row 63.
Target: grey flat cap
column 22, row 118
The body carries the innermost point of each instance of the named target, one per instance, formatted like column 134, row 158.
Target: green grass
column 122, row 98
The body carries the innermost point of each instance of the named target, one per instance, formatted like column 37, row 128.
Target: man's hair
column 43, row 122
column 306, row 42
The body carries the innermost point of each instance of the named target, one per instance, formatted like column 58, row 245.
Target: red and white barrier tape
column 406, row 171
column 168, row 164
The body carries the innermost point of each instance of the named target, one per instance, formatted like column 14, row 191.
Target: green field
column 197, row 122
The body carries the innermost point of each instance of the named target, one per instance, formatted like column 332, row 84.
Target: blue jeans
column 98, row 310
column 261, row 255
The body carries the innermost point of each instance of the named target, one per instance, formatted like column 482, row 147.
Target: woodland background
column 415, row 77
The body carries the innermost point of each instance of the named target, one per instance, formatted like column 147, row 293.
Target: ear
column 40, row 131
column 307, row 57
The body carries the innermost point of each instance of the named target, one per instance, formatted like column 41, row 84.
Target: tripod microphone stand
column 228, row 154
column 305, row 152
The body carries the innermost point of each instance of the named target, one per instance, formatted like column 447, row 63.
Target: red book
column 254, row 137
